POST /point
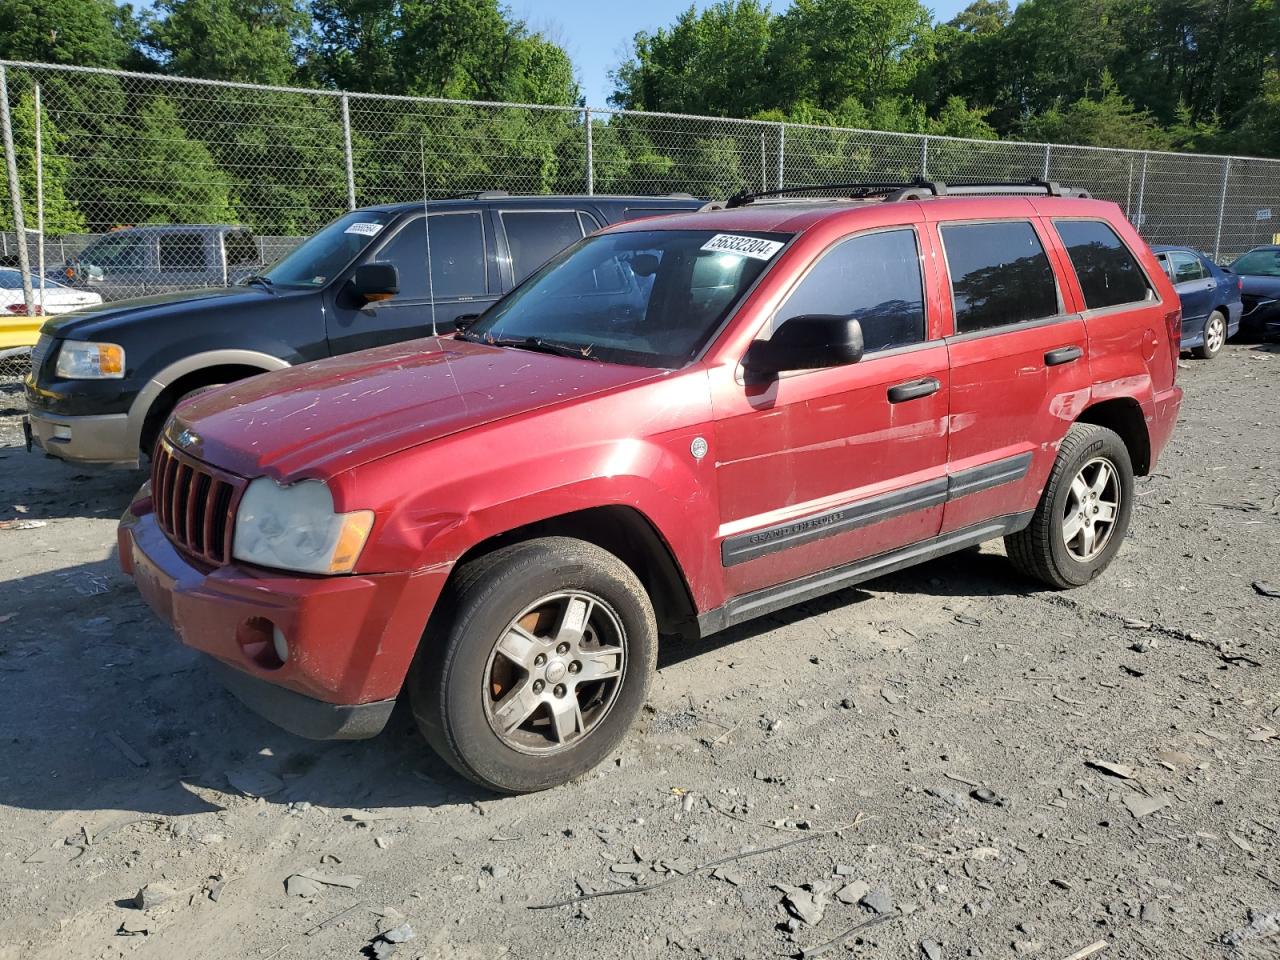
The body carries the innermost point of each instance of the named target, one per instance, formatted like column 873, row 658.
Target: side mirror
column 372, row 282
column 806, row 343
column 461, row 323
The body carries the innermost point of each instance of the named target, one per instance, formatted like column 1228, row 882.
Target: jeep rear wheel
column 541, row 665
column 1083, row 513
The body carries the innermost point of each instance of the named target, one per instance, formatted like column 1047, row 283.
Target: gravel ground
column 997, row 771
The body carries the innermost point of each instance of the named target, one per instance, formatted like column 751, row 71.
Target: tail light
column 21, row 309
column 1174, row 319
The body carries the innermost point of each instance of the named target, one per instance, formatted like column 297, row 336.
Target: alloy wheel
column 1093, row 504
column 555, row 672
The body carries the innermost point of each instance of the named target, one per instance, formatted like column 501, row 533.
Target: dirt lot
column 867, row 730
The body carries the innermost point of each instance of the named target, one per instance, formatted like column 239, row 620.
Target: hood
column 100, row 321
column 320, row 418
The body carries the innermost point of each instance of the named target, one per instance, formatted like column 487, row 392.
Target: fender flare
column 141, row 405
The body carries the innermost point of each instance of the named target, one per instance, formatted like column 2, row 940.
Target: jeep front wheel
column 541, row 665
column 1083, row 514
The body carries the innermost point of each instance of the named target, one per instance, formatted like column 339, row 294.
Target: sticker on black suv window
column 364, row 229
column 754, row 247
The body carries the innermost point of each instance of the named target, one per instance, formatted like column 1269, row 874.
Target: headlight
column 295, row 528
column 90, row 361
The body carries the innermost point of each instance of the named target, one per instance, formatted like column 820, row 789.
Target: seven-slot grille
column 195, row 504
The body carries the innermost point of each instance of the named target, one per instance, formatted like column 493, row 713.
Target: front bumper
column 106, row 439
column 351, row 639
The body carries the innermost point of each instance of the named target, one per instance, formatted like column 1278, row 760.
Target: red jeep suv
column 675, row 425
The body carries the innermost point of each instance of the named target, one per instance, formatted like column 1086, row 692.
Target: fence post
column 1142, row 192
column 1222, row 207
column 39, row 195
column 924, row 157
column 346, row 154
column 1045, row 175
column 764, row 163
column 591, row 166
column 11, row 162
column 782, row 152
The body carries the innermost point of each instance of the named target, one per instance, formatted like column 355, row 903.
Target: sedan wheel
column 1215, row 335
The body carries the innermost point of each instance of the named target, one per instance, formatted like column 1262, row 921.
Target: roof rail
column 917, row 189
column 479, row 195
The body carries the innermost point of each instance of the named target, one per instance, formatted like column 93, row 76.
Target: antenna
column 426, row 229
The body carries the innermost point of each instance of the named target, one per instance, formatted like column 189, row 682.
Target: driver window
column 873, row 278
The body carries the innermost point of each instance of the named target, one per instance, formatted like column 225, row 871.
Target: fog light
column 61, row 432
column 280, row 644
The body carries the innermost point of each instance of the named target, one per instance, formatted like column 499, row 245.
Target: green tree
column 172, row 179
column 60, row 214
column 713, row 62
column 827, row 51
column 87, row 33
column 253, row 41
column 1108, row 119
column 466, row 49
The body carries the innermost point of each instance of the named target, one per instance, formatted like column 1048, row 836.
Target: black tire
column 1216, row 320
column 452, row 675
column 1040, row 550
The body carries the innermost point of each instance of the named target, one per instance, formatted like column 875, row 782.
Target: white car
column 58, row 297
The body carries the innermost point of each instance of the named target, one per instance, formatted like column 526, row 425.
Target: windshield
column 323, row 255
column 651, row 298
column 125, row 249
column 1258, row 263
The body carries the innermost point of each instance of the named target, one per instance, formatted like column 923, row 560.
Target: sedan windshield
column 1258, row 263
column 652, row 298
column 322, row 256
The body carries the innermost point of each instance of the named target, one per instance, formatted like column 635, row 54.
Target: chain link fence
column 130, row 184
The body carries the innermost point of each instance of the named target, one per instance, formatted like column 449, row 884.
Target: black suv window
column 999, row 274
column 241, row 249
column 1108, row 274
column 457, row 257
column 537, row 236
column 874, row 278
column 182, row 251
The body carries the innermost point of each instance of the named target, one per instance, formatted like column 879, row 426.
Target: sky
column 597, row 33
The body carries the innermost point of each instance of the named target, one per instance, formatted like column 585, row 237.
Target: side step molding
column 748, row 606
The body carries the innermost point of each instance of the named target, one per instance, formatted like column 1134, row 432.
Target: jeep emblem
column 186, row 438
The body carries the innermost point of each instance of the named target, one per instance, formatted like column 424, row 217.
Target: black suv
column 104, row 380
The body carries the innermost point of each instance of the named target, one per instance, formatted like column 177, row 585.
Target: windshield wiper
column 539, row 345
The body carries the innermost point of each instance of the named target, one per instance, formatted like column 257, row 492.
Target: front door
column 1196, row 287
column 1019, row 370
column 822, row 467
column 461, row 280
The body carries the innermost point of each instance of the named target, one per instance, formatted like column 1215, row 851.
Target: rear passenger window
column 182, row 251
column 875, row 279
column 999, row 275
column 536, row 237
column 1186, row 267
column 241, row 248
column 1108, row 274
column 457, row 258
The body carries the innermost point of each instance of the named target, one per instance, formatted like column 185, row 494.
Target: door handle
column 1063, row 355
column 914, row 390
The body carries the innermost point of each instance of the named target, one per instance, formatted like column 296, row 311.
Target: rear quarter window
column 1109, row 275
column 1000, row 274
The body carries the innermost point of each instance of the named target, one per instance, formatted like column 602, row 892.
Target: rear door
column 1019, row 374
column 529, row 238
column 1196, row 288
column 460, row 279
column 818, row 468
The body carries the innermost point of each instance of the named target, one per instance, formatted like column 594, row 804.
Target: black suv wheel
column 541, row 664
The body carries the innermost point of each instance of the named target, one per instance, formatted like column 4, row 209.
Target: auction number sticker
column 364, row 229
column 754, row 247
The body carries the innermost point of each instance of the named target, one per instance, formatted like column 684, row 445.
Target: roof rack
column 917, row 189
